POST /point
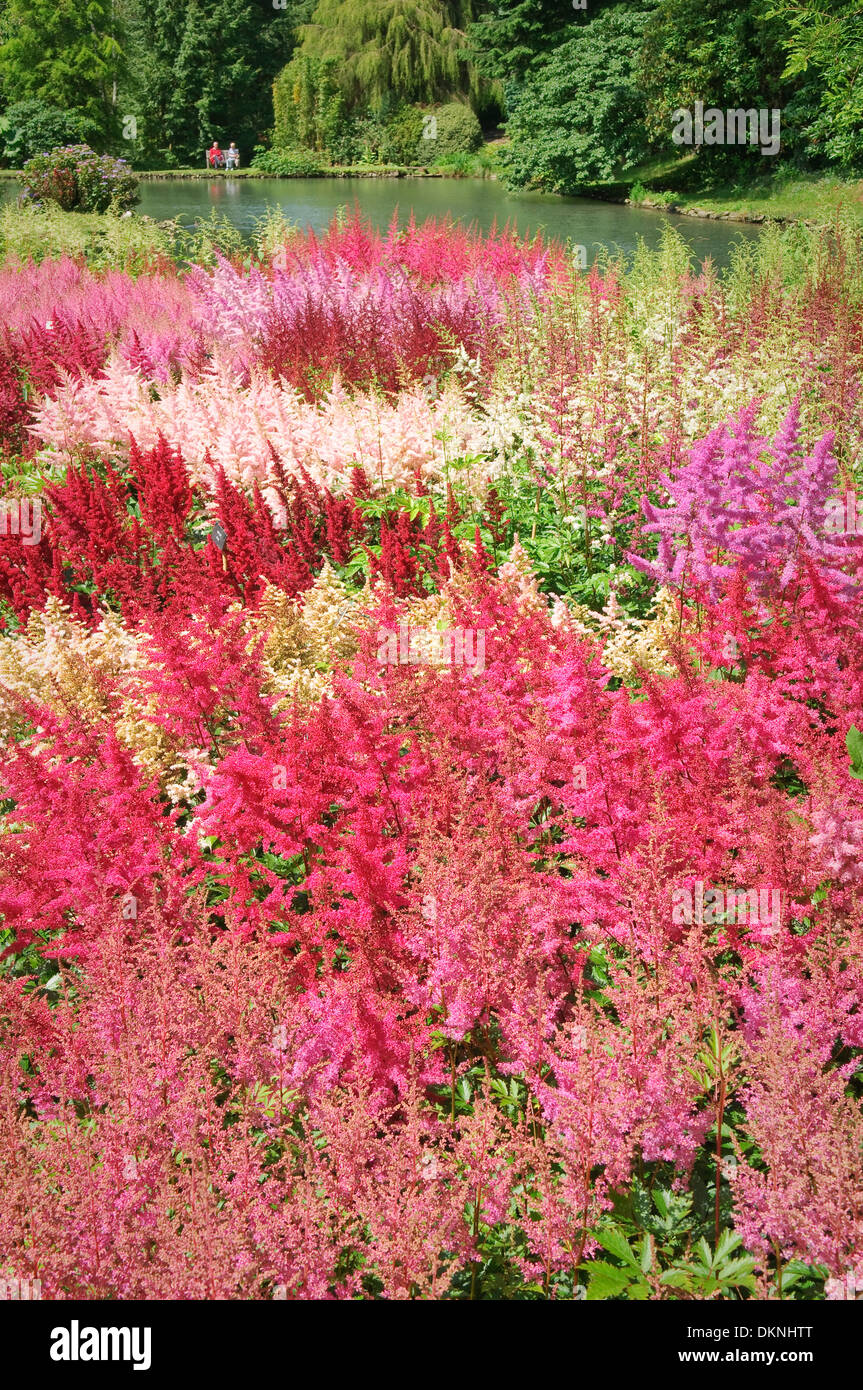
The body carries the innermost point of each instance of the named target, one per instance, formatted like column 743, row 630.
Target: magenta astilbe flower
column 742, row 501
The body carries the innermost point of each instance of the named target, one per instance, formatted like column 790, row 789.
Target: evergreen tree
column 203, row 70
column 67, row 54
column 510, row 34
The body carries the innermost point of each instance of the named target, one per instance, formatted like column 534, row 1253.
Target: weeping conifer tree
column 380, row 53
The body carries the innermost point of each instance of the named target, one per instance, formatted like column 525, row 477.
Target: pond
column 312, row 203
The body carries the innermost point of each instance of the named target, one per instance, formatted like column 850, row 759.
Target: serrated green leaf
column 728, row 1241
column 606, row 1281
column 616, row 1244
column 854, row 744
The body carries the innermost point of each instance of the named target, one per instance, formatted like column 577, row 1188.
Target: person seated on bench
column 215, row 158
column 232, row 157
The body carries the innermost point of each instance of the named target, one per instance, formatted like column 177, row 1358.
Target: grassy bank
column 804, row 199
column 460, row 166
column 783, row 196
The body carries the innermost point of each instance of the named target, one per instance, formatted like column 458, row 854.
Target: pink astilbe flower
column 838, row 841
column 804, row 1199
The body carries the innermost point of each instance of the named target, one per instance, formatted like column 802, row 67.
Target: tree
column 389, row 51
column 203, row 70
column 823, row 42
column 69, row 55
column 579, row 114
column 511, row 34
column 308, row 105
column 725, row 56
column 31, row 127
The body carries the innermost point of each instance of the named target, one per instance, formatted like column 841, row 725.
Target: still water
column 485, row 202
column 312, row 203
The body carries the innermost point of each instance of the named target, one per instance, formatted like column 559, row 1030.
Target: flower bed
column 430, row 849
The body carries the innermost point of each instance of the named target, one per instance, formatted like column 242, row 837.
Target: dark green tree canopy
column 203, row 70
column 67, row 54
column 578, row 114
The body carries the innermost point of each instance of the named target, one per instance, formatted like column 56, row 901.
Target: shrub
column 307, row 105
column 456, row 131
column 80, row 180
column 287, row 162
column 403, row 137
column 31, row 126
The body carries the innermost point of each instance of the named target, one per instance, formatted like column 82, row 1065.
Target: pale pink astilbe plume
column 617, row 1090
column 837, row 839
column 99, row 412
column 217, row 424
column 234, row 306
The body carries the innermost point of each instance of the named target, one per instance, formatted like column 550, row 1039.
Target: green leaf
column 728, row 1241
column 854, row 744
column 606, row 1281
column 639, row 1293
column 616, row 1244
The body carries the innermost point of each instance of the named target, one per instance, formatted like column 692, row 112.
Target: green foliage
column 578, row 116
column 287, row 163
column 402, row 136
column 77, row 179
column 663, row 1264
column 506, row 40
column 480, row 165
column 104, row 240
column 403, row 49
column 67, row 55
column 309, row 107
column 725, row 56
column 203, row 71
column 313, row 111
column 456, row 131
column 854, row 744
column 32, row 127
column 824, row 39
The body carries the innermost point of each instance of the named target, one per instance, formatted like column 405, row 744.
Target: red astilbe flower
column 91, row 832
